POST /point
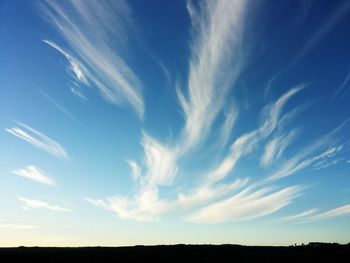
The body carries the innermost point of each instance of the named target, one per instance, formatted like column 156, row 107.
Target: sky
column 164, row 122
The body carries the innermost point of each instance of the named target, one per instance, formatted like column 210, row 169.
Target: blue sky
column 162, row 122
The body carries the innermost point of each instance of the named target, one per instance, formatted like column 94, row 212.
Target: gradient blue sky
column 161, row 122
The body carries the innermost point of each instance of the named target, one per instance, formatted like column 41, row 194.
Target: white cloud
column 295, row 164
column 162, row 67
column 39, row 140
column 321, row 32
column 305, row 158
column 145, row 206
column 161, row 169
column 37, row 204
column 248, row 141
column 17, row 226
column 240, row 147
column 216, row 47
column 36, row 174
column 77, row 92
column 135, row 170
column 204, row 194
column 58, row 106
column 275, row 147
column 327, row 163
column 245, row 206
column 97, row 202
column 295, row 217
column 336, row 212
column 274, row 110
column 329, row 158
column 311, row 215
column 344, row 84
column 305, row 6
column 95, row 33
column 309, row 155
column 160, row 162
column 76, row 67
column 230, row 119
column 315, row 38
column 216, row 50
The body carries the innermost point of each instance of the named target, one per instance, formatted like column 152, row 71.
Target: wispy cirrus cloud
column 310, row 154
column 312, row 215
column 336, row 212
column 305, row 7
column 204, row 194
column 144, row 206
column 17, row 226
column 218, row 192
column 57, row 105
column 245, row 206
column 212, row 50
column 34, row 173
column 329, row 158
column 38, row 204
column 135, row 170
column 226, row 129
column 345, row 84
column 160, row 169
column 77, row 92
column 94, row 35
column 160, row 161
column 75, row 67
column 295, row 217
column 321, row 32
column 38, row 139
column 275, row 147
column 219, row 201
column 246, row 143
column 306, row 157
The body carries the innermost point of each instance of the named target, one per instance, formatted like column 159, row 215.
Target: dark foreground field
column 181, row 253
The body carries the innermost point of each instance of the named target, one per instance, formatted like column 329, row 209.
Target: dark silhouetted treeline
column 313, row 253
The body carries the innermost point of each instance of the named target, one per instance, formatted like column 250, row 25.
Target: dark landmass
column 313, row 252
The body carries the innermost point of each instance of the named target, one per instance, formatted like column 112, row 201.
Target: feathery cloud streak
column 275, row 147
column 91, row 31
column 245, row 206
column 321, row 32
column 58, row 106
column 311, row 215
column 17, row 226
column 217, row 45
column 306, row 157
column 246, row 143
column 147, row 206
column 295, row 217
column 39, row 140
column 38, row 204
column 217, row 30
column 76, row 67
column 339, row 211
column 230, row 119
column 36, row 174
column 216, row 49
column 345, row 84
